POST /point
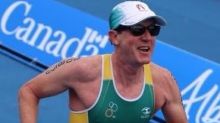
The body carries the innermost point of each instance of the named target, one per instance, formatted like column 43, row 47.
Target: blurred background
column 193, row 26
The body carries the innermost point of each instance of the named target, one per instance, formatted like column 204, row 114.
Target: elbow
column 23, row 91
column 26, row 94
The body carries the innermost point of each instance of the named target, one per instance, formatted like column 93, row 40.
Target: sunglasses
column 138, row 29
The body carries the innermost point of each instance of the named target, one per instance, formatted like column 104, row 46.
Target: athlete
column 122, row 87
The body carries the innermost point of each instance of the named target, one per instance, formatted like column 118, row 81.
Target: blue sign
column 198, row 79
column 48, row 31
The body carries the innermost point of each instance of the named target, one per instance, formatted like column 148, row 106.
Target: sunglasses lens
column 154, row 30
column 137, row 30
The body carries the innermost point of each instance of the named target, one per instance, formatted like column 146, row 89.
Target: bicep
column 50, row 82
column 45, row 85
column 173, row 109
column 174, row 113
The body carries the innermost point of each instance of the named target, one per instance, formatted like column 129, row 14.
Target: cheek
column 127, row 40
column 153, row 43
column 131, row 44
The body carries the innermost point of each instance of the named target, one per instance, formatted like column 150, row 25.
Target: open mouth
column 144, row 48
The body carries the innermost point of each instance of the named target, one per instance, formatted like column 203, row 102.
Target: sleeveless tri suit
column 111, row 107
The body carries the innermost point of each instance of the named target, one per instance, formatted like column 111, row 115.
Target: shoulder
column 86, row 63
column 164, row 82
column 160, row 72
column 163, row 78
column 87, row 68
column 77, row 68
column 167, row 94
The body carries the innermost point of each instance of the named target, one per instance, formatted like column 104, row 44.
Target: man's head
column 132, row 12
column 133, row 27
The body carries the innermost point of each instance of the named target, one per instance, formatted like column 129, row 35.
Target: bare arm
column 167, row 95
column 173, row 109
column 51, row 82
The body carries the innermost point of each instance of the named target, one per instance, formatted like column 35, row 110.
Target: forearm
column 28, row 105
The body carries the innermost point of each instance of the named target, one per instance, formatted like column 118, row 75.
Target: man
column 122, row 87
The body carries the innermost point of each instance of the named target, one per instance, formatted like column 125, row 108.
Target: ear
column 113, row 37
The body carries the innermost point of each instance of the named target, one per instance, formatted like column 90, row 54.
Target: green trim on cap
column 115, row 18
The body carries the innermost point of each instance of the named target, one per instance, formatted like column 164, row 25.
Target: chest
column 84, row 96
column 112, row 107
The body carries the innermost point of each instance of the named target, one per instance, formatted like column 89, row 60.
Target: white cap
column 132, row 12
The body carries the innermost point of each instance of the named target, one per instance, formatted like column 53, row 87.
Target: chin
column 145, row 61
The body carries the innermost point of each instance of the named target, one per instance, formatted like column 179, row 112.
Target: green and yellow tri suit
column 111, row 107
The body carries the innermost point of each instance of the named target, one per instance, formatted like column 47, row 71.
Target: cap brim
column 159, row 20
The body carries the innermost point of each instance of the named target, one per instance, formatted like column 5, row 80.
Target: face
column 136, row 46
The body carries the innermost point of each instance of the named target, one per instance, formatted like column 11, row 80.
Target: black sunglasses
column 138, row 29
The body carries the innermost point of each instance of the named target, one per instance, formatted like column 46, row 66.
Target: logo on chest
column 111, row 110
column 146, row 111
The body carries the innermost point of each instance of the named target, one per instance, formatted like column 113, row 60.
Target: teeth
column 144, row 48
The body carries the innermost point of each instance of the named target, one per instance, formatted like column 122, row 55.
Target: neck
column 125, row 71
column 124, row 63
